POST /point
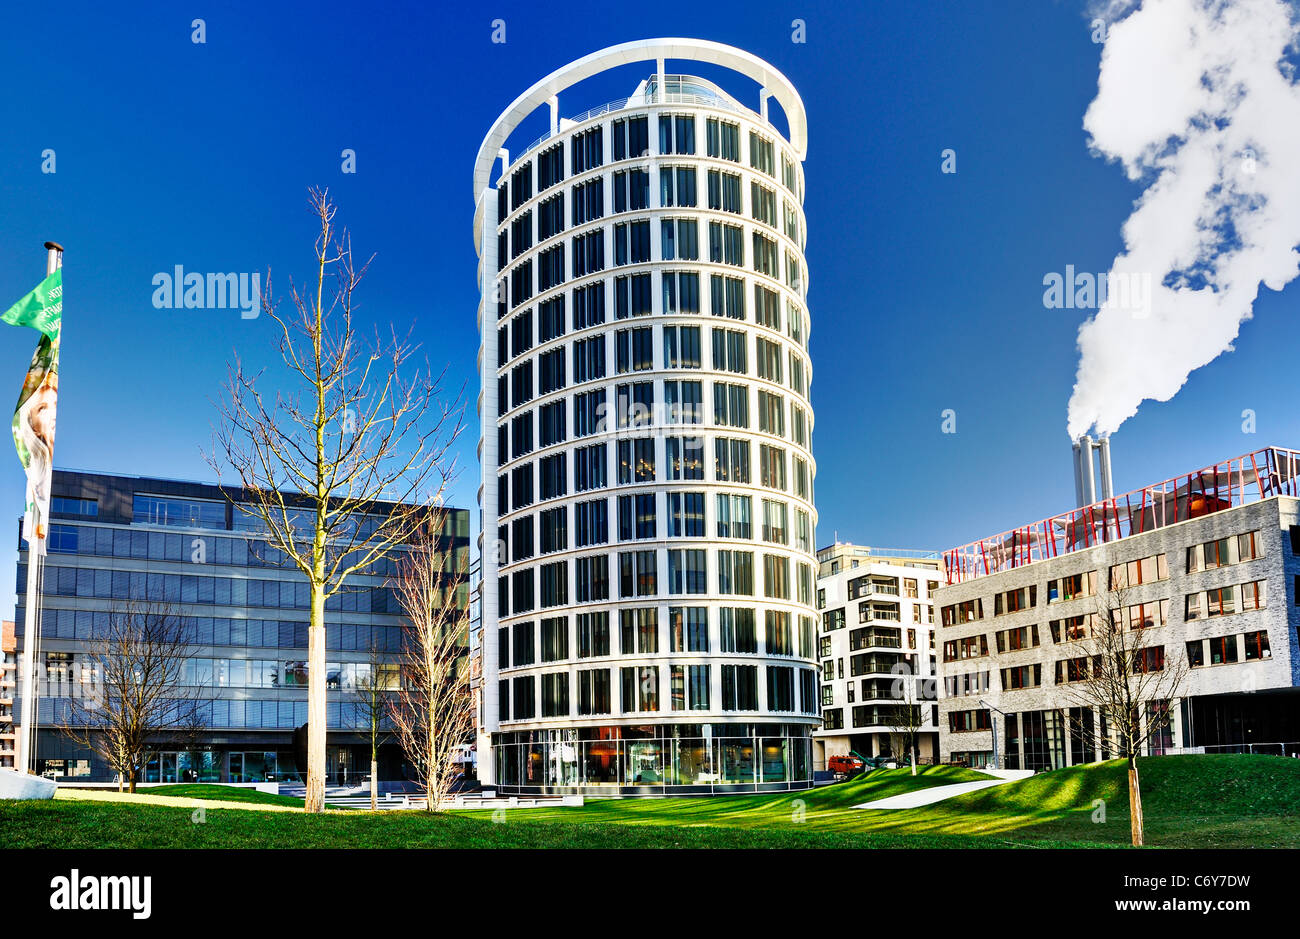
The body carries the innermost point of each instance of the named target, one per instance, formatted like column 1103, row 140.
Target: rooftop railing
column 645, row 100
column 1240, row 481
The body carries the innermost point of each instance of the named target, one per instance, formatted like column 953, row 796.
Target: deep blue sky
column 925, row 289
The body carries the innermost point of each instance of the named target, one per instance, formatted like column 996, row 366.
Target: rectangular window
column 523, row 644
column 688, row 629
column 550, row 371
column 555, row 639
column 590, row 468
column 685, row 515
column 637, row 574
column 591, row 578
column 553, row 476
column 1073, row 587
column 636, row 517
column 677, row 186
column 525, row 698
column 555, row 529
column 550, row 315
column 590, row 523
column 740, row 687
column 729, row 351
column 1256, row 644
column 685, row 457
column 730, row 405
column 771, row 413
column 772, row 467
column 726, row 244
column 632, row 242
column 593, row 634
column 762, row 203
column 554, row 580
column 588, row 202
column 682, row 347
column 677, row 133
column 776, row 577
column 724, row 191
column 686, row 571
column 586, row 150
column 594, row 691
column 734, row 516
column 681, row 292
column 736, row 572
column 631, row 137
column 731, row 460
column 550, row 219
column 634, row 350
column 682, row 402
column 588, row 258
column 638, row 631
column 636, row 461
column 722, row 139
column 632, row 296
column 588, row 359
column 589, row 305
column 736, row 630
column 679, row 239
column 727, row 296
column 767, row 307
column 761, row 154
column 765, row 255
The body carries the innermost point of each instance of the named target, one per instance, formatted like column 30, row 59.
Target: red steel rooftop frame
column 1258, row 475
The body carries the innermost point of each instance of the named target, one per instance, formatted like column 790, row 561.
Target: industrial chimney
column 1087, row 491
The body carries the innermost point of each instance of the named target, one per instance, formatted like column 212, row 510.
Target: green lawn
column 222, row 793
column 1191, row 801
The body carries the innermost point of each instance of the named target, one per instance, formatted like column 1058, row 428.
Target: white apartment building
column 1205, row 567
column 875, row 648
column 647, row 505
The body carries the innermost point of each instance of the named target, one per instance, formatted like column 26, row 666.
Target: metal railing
column 645, row 100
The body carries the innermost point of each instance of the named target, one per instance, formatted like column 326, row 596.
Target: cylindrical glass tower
column 647, row 504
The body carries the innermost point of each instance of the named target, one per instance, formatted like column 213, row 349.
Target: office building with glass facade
column 647, row 618
column 185, row 549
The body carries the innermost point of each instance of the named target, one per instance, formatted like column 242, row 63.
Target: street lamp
column 994, row 724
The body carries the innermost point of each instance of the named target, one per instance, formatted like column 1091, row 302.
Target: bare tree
column 910, row 692
column 1122, row 684
column 374, row 687
column 140, row 696
column 338, row 467
column 432, row 711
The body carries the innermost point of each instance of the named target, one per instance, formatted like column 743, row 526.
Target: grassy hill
column 1191, row 801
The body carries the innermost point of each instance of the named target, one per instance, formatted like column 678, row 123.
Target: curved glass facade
column 648, row 550
column 656, row 759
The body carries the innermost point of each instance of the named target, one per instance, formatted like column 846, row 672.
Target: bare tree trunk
column 1135, row 803
column 374, row 784
column 315, row 800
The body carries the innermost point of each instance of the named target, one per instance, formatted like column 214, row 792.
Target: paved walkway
column 920, row 797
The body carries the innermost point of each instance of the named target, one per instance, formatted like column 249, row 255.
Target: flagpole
column 26, row 762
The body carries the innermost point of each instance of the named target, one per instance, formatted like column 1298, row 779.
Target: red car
column 844, row 764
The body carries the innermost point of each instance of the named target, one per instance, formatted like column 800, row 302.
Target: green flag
column 34, row 416
column 42, row 308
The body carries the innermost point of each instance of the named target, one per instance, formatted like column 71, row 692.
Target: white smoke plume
column 1195, row 97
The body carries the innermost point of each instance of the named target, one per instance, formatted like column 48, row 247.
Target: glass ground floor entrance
column 656, row 759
